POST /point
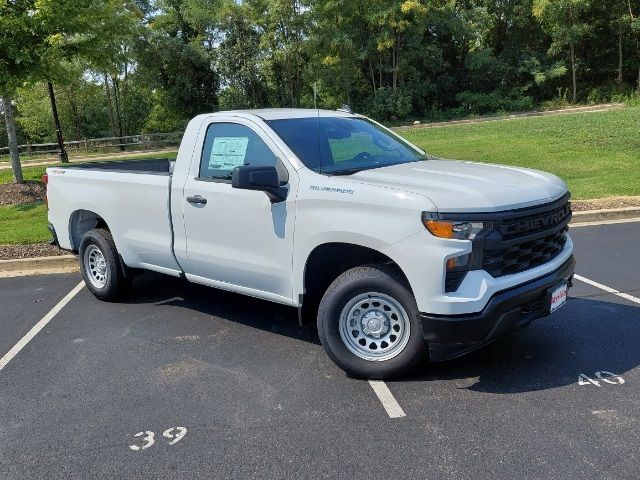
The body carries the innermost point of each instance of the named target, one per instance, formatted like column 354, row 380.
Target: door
column 238, row 239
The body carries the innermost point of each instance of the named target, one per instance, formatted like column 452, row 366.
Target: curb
column 69, row 263
column 588, row 216
column 38, row 266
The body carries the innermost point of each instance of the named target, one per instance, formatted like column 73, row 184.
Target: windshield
column 341, row 146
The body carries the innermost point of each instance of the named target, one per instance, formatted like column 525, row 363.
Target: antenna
column 345, row 108
column 315, row 95
column 315, row 104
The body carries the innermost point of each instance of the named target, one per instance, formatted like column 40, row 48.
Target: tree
column 174, row 54
column 19, row 40
column 237, row 60
column 10, row 123
column 39, row 37
column 564, row 21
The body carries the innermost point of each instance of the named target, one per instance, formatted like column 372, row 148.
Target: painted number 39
column 147, row 438
column 606, row 377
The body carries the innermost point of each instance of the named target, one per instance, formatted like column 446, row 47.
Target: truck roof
column 285, row 113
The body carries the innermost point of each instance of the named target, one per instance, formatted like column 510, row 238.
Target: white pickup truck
column 398, row 256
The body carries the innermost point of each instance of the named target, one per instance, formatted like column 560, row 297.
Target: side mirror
column 261, row 178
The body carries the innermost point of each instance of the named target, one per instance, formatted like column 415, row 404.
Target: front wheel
column 103, row 272
column 368, row 323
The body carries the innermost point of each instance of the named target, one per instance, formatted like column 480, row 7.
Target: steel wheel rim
column 374, row 327
column 95, row 266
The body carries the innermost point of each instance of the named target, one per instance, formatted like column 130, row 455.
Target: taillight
column 45, row 180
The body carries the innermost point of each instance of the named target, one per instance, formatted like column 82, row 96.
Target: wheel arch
column 80, row 222
column 326, row 261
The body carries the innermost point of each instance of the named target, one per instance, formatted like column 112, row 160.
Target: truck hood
column 460, row 186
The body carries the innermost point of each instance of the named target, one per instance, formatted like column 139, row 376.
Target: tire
column 369, row 326
column 104, row 273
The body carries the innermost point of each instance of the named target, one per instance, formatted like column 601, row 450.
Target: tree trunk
column 107, row 91
column 373, row 76
column 125, row 99
column 394, row 63
column 62, row 153
column 75, row 112
column 620, row 51
column 116, row 95
column 13, row 139
column 573, row 73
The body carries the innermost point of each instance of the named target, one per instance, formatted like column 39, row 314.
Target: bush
column 162, row 118
column 632, row 100
column 389, row 105
column 610, row 92
column 474, row 103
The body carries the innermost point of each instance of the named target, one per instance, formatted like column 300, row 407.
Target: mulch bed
column 17, row 193
column 603, row 203
column 10, row 252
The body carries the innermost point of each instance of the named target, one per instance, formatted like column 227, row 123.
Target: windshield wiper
column 346, row 171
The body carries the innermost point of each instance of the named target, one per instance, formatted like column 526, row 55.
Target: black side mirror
column 261, row 178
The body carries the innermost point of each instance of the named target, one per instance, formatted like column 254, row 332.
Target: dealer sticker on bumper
column 558, row 297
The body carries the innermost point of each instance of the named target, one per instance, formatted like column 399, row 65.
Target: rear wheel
column 368, row 323
column 103, row 272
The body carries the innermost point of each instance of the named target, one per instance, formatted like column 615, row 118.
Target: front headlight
column 450, row 229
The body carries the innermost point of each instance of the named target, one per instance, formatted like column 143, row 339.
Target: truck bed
column 131, row 196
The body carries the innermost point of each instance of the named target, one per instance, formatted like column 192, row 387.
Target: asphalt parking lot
column 231, row 387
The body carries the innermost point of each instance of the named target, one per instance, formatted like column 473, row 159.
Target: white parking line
column 39, row 326
column 394, row 410
column 626, row 296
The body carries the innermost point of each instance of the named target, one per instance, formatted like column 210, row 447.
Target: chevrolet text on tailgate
column 395, row 255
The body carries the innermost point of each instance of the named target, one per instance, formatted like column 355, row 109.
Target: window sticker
column 228, row 152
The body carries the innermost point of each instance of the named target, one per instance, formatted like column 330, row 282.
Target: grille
column 527, row 240
column 524, row 256
column 453, row 280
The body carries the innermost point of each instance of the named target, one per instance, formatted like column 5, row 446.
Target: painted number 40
column 173, row 434
column 606, row 377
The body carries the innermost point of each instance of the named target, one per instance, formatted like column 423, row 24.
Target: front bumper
column 451, row 336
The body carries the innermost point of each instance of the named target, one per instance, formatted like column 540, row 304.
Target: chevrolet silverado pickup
column 395, row 255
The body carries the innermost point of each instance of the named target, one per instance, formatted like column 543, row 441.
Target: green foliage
column 150, row 65
column 38, row 37
column 161, row 118
column 390, row 105
column 632, row 100
column 238, row 61
column 610, row 92
column 181, row 70
column 473, row 103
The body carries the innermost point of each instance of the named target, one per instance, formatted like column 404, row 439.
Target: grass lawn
column 597, row 154
column 26, row 223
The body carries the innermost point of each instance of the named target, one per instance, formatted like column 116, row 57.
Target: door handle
column 198, row 200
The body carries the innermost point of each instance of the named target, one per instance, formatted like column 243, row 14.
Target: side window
column 229, row 145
